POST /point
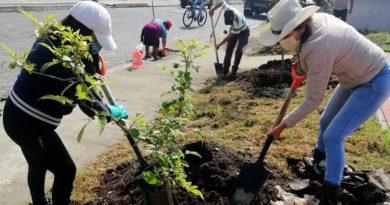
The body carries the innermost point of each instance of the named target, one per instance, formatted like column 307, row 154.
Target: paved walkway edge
column 41, row 7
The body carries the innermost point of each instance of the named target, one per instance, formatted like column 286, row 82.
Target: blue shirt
column 164, row 29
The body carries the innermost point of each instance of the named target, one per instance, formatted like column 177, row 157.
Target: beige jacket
column 334, row 48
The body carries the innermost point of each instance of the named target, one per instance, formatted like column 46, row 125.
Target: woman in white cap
column 31, row 122
column 327, row 46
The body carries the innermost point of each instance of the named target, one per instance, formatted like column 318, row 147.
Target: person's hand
column 277, row 131
column 217, row 46
column 118, row 111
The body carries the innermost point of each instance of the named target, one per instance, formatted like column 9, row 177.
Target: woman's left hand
column 277, row 131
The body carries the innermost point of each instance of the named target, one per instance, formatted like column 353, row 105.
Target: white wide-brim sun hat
column 283, row 18
column 95, row 17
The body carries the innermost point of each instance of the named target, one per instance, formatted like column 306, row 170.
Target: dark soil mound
column 214, row 173
column 268, row 80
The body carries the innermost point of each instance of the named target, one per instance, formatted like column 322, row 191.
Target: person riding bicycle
column 196, row 3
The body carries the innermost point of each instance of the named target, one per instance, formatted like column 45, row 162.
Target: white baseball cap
column 95, row 17
column 283, row 18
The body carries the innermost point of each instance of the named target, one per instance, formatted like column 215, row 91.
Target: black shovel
column 252, row 178
column 154, row 195
column 218, row 66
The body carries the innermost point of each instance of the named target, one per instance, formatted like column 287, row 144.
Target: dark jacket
column 29, row 88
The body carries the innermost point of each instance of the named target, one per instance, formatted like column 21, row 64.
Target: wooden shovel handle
column 297, row 80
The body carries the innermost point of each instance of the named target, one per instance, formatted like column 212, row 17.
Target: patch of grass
column 89, row 177
column 381, row 39
column 228, row 116
column 250, row 119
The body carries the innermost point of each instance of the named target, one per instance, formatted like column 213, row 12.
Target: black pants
column 43, row 150
column 342, row 14
column 242, row 39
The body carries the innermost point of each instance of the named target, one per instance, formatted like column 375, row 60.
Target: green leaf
column 81, row 133
column 193, row 153
column 47, row 65
column 150, row 178
column 66, row 58
column 101, row 121
column 134, row 132
column 82, row 92
column 197, row 192
column 30, row 16
column 29, row 67
column 9, row 51
column 61, row 99
column 67, row 87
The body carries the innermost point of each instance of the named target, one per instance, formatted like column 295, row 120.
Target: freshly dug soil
column 268, row 80
column 214, row 173
column 219, row 167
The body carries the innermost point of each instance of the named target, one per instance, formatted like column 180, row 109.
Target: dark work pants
column 241, row 40
column 342, row 14
column 43, row 150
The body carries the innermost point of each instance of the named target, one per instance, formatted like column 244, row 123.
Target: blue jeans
column 347, row 109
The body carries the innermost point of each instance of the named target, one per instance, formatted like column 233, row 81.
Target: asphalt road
column 17, row 32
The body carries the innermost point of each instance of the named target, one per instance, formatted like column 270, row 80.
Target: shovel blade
column 248, row 184
column 219, row 69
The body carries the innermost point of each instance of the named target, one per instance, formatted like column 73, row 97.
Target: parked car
column 184, row 3
column 257, row 6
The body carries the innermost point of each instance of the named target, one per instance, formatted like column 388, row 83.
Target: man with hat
column 327, row 46
column 238, row 34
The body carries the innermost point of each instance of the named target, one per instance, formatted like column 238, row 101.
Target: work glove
column 118, row 111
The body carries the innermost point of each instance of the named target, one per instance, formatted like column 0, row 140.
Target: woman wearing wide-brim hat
column 328, row 46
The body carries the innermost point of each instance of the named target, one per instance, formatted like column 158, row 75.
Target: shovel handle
column 297, row 80
column 264, row 150
column 215, row 39
column 122, row 123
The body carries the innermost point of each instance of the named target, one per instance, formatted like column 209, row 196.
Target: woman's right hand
column 277, row 131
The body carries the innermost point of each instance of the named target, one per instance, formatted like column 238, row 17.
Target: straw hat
column 283, row 18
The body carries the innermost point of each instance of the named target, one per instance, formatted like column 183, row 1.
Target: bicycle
column 188, row 18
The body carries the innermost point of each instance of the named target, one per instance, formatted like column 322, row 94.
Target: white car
column 184, row 3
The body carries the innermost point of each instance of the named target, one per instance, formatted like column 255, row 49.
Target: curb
column 32, row 7
column 66, row 6
column 45, row 7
